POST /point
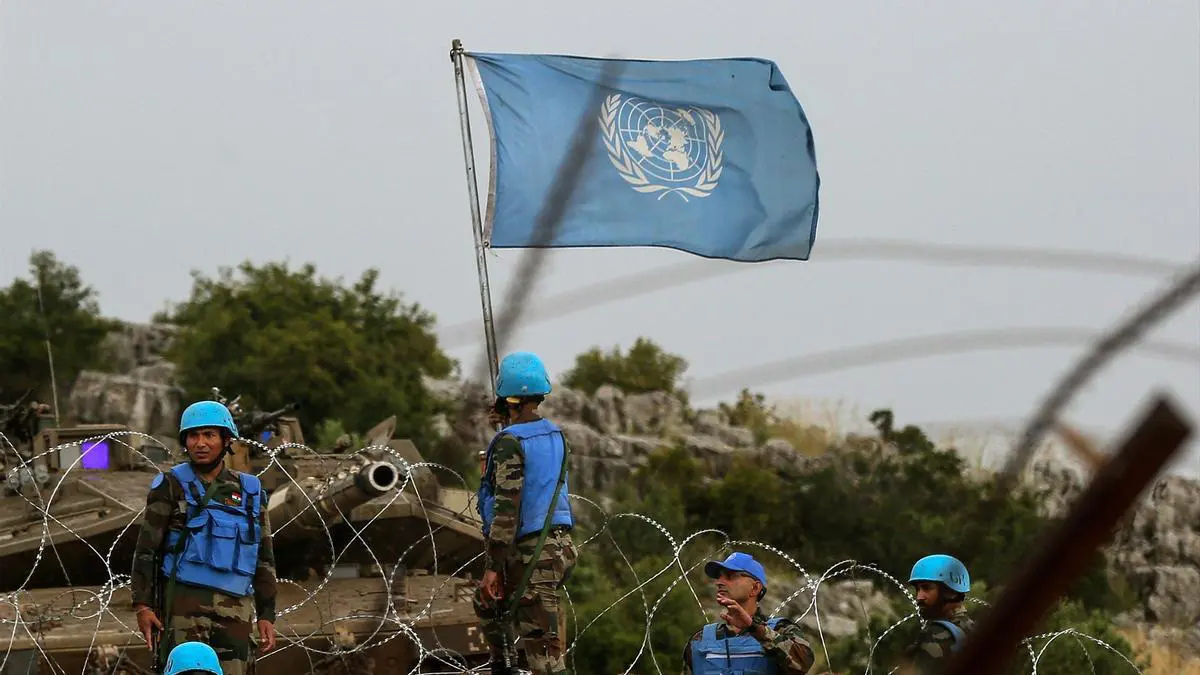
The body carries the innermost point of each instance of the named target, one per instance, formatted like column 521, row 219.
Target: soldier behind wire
column 941, row 582
column 522, row 467
column 221, row 583
column 745, row 640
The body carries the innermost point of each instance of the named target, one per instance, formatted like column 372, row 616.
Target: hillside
column 1155, row 555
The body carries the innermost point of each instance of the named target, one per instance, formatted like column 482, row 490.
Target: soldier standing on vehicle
column 942, row 583
column 527, row 521
column 204, row 559
column 745, row 640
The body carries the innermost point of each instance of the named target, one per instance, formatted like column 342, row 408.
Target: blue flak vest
column 221, row 551
column 735, row 655
column 542, row 446
column 958, row 633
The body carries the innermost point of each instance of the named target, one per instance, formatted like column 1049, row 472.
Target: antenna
column 49, row 351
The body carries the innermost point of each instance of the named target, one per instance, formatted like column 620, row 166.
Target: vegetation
column 886, row 499
column 873, row 505
column 352, row 356
column 646, row 367
column 751, row 411
column 71, row 318
column 278, row 335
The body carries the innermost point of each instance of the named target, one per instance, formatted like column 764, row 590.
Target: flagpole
column 485, row 293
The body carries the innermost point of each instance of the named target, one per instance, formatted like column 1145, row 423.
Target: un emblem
column 660, row 149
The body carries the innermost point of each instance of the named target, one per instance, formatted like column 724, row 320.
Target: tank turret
column 358, row 533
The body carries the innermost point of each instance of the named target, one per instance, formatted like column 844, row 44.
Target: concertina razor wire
column 19, row 615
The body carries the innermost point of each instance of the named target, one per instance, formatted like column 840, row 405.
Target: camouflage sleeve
column 160, row 503
column 786, row 646
column 265, row 586
column 508, row 475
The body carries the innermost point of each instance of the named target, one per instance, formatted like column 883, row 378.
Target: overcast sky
column 141, row 140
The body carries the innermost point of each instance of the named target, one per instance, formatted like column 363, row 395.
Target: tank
column 367, row 544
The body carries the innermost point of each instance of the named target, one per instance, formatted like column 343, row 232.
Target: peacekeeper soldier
column 527, row 522
column 204, row 560
column 941, row 583
column 193, row 658
column 745, row 641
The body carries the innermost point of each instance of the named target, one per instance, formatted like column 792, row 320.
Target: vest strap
column 956, row 632
column 519, row 590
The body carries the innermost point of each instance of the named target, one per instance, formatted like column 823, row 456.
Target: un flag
column 714, row 157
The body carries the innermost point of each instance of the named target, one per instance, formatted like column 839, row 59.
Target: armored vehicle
column 373, row 554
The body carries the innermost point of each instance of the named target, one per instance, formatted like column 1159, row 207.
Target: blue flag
column 714, row 157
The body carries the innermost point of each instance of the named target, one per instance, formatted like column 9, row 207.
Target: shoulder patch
column 158, row 481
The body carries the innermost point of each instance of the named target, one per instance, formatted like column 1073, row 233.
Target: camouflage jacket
column 508, row 474
column 166, row 507
column 933, row 643
column 785, row 645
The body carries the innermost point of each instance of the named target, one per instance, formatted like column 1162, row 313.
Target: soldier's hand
column 266, row 635
column 148, row 622
column 490, row 585
column 735, row 615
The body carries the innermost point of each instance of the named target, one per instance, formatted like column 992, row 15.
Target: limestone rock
column 141, row 404
column 136, row 344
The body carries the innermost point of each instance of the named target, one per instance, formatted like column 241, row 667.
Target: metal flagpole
column 485, row 293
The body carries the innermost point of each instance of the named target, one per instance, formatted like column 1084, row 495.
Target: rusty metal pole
column 1067, row 550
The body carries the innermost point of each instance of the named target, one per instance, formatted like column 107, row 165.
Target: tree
column 276, row 335
column 752, row 412
column 647, row 367
column 889, row 499
column 71, row 317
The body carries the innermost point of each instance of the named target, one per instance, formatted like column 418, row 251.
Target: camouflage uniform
column 224, row 622
column 538, row 619
column 785, row 645
column 929, row 652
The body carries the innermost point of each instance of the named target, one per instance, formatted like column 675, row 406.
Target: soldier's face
column 927, row 594
column 204, row 446
column 736, row 586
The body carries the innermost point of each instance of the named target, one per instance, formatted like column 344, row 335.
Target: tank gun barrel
column 347, row 491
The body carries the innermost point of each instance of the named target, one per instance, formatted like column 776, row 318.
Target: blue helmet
column 737, row 562
column 206, row 414
column 943, row 569
column 193, row 656
column 522, row 374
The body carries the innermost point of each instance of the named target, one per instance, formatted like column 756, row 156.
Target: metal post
column 1065, row 552
column 49, row 350
column 485, row 293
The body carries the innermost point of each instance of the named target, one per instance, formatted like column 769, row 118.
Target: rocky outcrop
column 1159, row 552
column 138, row 389
column 137, row 344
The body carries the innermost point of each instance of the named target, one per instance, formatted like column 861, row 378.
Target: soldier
column 746, row 641
column 208, row 586
column 193, row 658
column 527, row 521
column 942, row 583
